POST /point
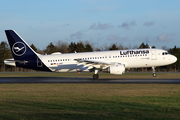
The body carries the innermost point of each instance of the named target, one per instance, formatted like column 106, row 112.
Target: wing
column 89, row 64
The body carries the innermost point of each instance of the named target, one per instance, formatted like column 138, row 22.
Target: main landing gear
column 154, row 72
column 96, row 76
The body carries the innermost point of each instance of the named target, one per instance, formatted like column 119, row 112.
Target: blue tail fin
column 24, row 55
column 19, row 48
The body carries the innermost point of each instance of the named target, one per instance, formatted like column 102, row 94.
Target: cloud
column 100, row 26
column 126, row 25
column 153, row 39
column 148, row 24
column 77, row 35
column 133, row 23
column 165, row 38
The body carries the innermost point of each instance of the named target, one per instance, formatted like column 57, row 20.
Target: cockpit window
column 165, row 53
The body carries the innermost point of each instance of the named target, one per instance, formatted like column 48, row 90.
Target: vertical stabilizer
column 24, row 55
column 19, row 48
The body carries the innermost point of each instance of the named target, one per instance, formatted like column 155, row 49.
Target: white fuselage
column 135, row 58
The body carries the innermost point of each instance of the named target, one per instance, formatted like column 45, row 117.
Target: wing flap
column 91, row 63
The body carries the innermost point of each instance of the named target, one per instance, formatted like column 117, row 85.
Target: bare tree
column 62, row 46
column 165, row 48
column 120, row 47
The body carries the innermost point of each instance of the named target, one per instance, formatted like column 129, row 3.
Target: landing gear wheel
column 154, row 71
column 95, row 76
column 154, row 74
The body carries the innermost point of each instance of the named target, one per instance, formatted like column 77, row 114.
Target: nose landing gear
column 154, row 72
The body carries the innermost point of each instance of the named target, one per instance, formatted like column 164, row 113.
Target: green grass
column 90, row 101
column 89, row 75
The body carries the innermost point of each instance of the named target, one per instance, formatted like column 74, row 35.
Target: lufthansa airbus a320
column 114, row 62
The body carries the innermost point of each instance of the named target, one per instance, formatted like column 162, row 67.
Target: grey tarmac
column 80, row 80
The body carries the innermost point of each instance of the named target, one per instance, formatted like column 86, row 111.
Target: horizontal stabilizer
column 12, row 62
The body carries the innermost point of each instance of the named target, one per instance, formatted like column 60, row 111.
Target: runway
column 79, row 80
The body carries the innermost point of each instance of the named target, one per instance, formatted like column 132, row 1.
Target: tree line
column 64, row 47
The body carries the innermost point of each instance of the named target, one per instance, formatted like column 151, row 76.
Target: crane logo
column 19, row 48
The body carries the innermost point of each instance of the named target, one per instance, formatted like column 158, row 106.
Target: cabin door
column 153, row 54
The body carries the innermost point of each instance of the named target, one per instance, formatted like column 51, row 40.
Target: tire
column 95, row 76
column 154, row 74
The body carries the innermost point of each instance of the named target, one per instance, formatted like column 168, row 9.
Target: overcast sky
column 102, row 22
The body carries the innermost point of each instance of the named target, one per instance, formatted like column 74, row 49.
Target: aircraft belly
column 139, row 63
column 64, row 68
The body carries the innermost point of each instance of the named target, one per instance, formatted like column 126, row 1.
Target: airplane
column 115, row 61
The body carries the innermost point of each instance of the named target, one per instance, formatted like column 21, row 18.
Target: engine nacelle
column 118, row 69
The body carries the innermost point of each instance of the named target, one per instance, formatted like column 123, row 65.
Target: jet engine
column 118, row 69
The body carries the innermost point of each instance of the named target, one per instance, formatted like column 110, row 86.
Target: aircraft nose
column 174, row 59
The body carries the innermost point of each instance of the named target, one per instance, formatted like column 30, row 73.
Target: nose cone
column 173, row 59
